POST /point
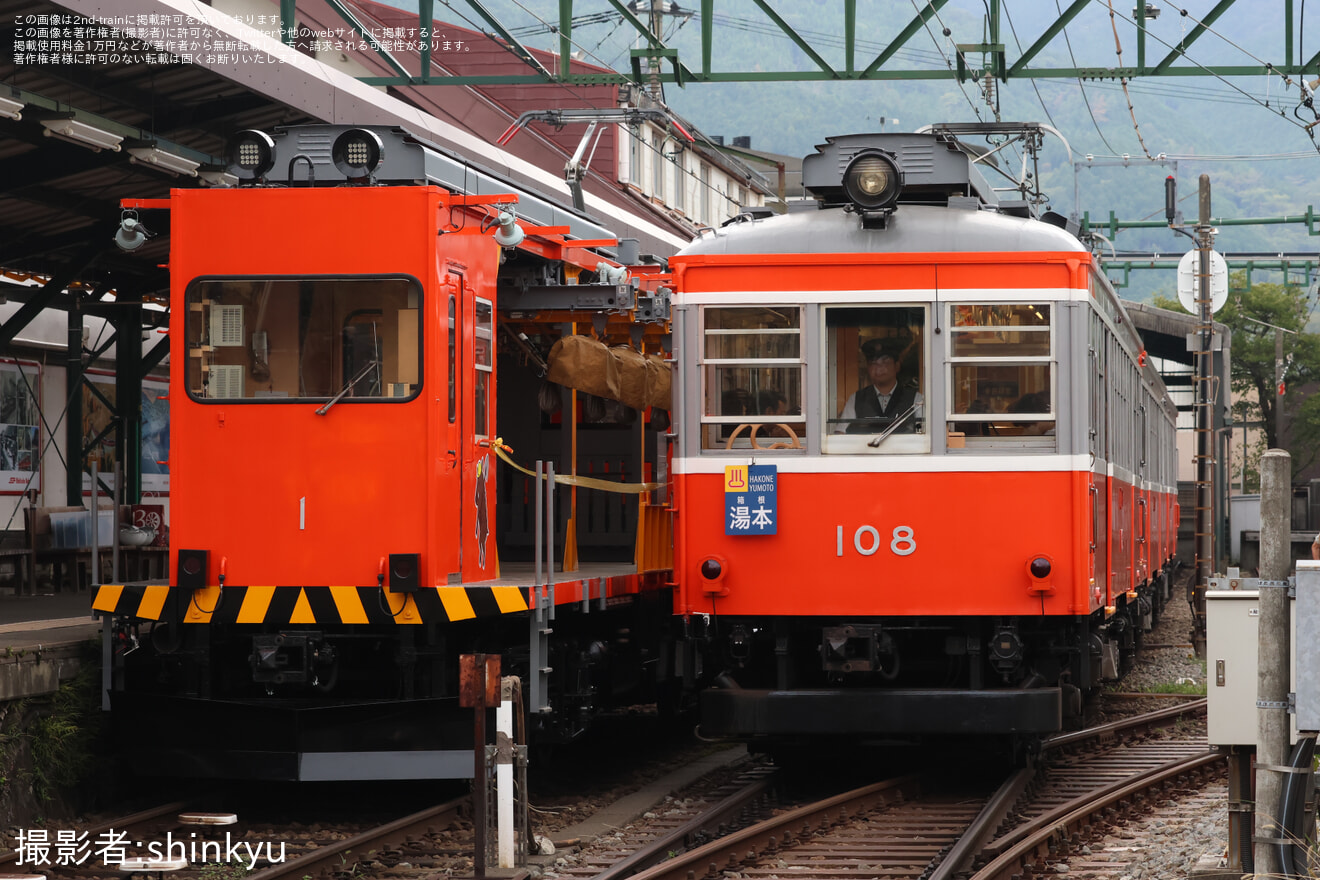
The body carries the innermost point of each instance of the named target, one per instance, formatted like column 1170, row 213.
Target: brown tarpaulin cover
column 620, row 373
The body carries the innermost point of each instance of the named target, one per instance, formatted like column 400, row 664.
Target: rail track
column 899, row 829
column 904, row 827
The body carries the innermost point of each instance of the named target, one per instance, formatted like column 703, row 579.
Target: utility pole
column 1272, row 658
column 1204, row 423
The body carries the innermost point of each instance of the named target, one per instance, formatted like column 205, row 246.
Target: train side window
column 453, row 360
column 1000, row 375
column 874, row 394
column 484, row 361
column 273, row 340
column 751, row 369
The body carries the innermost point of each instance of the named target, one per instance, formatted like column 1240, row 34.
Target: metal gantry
column 987, row 59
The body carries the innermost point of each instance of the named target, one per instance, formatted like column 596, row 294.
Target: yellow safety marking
column 202, row 605
column 509, row 599
column 735, row 478
column 396, row 611
column 349, row 604
column 411, row 614
column 107, row 598
column 302, row 610
column 153, row 600
column 456, row 602
column 255, row 604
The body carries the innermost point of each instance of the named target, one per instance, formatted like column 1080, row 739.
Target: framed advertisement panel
column 97, row 425
column 20, row 419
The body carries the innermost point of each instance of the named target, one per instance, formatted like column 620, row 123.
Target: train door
column 1121, row 474
column 1098, row 438
column 446, row 509
column 476, row 407
column 1142, row 490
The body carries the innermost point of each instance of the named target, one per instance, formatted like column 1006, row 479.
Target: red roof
column 486, row 111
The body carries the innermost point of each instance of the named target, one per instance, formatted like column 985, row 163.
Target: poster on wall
column 20, row 449
column 99, row 435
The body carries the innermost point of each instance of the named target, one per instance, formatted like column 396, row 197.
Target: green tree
column 1252, row 313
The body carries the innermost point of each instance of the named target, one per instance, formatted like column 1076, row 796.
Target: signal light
column 192, row 569
column 251, row 154
column 357, row 152
column 1039, row 569
column 712, row 573
column 405, row 572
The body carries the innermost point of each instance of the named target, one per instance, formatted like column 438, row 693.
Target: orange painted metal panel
column 780, row 272
column 281, row 494
column 837, row 550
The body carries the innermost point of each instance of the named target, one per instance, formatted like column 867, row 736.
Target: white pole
column 504, row 781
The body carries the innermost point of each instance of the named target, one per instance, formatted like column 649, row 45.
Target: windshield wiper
column 874, row 444
column 325, row 408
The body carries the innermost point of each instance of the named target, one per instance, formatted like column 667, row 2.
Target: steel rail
column 681, row 837
column 1012, row 862
column 335, row 856
column 976, row 842
column 1125, row 725
column 765, row 837
column 1061, row 812
column 958, row 861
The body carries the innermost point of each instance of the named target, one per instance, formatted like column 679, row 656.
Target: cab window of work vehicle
column 874, row 397
column 303, row 339
column 751, row 369
column 1000, row 371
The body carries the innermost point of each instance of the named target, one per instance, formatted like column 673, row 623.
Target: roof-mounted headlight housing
column 872, row 182
column 357, row 152
column 251, row 155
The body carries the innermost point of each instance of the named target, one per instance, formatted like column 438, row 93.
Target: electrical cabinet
column 1232, row 646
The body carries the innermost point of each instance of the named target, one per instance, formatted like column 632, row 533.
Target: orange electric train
column 892, row 464
column 925, row 475
column 358, row 462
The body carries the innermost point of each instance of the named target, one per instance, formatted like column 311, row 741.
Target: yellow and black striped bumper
column 322, row 606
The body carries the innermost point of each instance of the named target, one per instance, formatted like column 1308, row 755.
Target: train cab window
column 1000, row 370
column 752, row 378
column 874, row 398
column 303, row 339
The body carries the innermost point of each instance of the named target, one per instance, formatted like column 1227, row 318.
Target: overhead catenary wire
column 925, row 23
column 1034, row 87
column 1269, row 67
column 1118, row 50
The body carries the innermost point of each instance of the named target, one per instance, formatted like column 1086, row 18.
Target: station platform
column 49, row 619
column 43, row 641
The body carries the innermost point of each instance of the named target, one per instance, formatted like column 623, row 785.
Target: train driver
column 886, row 399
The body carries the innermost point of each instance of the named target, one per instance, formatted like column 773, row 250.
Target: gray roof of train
column 911, row 229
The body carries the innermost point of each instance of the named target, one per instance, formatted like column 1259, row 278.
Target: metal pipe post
column 96, row 527
column 1272, row 656
column 1204, row 434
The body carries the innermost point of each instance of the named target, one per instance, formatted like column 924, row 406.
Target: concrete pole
column 1272, row 656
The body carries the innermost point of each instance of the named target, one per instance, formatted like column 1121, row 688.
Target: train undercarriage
column 789, row 679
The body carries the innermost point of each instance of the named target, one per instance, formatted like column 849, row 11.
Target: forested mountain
column 1198, row 120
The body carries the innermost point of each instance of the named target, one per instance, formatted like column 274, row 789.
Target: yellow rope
column 567, row 480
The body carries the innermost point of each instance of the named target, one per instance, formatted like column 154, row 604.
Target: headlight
column 872, row 180
column 357, row 152
column 251, row 154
